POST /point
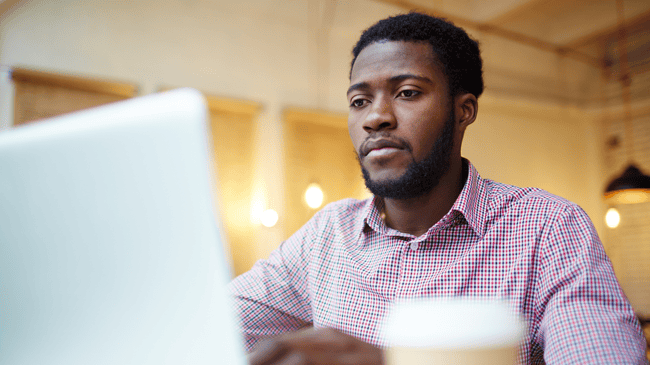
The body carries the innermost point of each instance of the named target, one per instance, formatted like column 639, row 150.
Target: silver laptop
column 110, row 247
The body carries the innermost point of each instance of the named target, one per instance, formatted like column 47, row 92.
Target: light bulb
column 612, row 218
column 269, row 218
column 314, row 196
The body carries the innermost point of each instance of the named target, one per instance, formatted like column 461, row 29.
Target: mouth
column 382, row 152
column 380, row 147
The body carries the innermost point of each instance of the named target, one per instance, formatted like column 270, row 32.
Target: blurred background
column 566, row 106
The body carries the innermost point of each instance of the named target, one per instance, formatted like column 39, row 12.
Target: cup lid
column 458, row 323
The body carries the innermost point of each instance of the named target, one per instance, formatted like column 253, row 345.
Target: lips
column 378, row 144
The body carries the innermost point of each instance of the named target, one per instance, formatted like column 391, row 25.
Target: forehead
column 387, row 59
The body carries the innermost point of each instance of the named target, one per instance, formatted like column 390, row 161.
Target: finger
column 365, row 354
column 293, row 359
column 321, row 338
column 266, row 352
column 374, row 357
column 330, row 358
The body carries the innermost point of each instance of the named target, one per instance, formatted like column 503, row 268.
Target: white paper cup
column 452, row 331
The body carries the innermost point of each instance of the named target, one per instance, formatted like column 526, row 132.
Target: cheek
column 356, row 136
column 422, row 139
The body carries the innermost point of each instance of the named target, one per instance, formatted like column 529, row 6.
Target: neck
column 416, row 215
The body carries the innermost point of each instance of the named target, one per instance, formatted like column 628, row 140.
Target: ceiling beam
column 563, row 51
column 525, row 9
column 593, row 37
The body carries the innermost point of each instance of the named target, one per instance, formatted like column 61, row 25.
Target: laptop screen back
column 110, row 250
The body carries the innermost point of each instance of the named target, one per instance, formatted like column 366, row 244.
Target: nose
column 380, row 117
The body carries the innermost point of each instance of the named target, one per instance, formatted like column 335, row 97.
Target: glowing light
column 269, row 218
column 314, row 196
column 612, row 218
column 629, row 196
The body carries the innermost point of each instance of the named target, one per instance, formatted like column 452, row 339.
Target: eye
column 358, row 103
column 408, row 93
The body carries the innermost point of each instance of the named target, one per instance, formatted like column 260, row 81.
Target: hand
column 315, row 346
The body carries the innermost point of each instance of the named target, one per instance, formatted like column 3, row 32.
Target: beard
column 420, row 177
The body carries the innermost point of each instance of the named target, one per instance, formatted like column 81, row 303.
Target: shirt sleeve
column 273, row 297
column 585, row 317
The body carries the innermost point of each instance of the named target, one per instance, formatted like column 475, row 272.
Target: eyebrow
column 397, row 78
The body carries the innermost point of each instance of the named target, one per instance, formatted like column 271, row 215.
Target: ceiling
column 581, row 31
column 563, row 51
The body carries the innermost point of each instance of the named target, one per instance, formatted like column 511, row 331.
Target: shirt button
column 414, row 246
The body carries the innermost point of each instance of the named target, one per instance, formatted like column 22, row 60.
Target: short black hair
column 455, row 51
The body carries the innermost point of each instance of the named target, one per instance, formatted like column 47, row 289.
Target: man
column 434, row 227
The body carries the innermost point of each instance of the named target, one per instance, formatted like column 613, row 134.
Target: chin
column 385, row 177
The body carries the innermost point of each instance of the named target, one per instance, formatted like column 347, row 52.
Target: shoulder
column 343, row 213
column 344, row 209
column 534, row 213
column 346, row 214
column 527, row 202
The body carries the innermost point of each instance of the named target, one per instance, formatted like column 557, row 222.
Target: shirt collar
column 373, row 215
column 471, row 204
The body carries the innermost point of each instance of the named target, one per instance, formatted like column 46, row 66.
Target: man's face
column 401, row 118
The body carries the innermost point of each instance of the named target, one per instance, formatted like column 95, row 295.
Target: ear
column 466, row 108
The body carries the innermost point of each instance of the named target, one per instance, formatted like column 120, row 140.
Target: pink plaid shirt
column 540, row 252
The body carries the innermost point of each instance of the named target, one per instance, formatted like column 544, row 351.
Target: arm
column 274, row 309
column 272, row 298
column 585, row 317
column 273, row 301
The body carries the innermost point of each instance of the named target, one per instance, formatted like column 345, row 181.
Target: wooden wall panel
column 233, row 131
column 318, row 150
column 40, row 95
column 628, row 245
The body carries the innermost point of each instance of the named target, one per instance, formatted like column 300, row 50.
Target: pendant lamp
column 630, row 188
column 633, row 186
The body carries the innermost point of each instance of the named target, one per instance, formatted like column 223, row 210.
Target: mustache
column 382, row 140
